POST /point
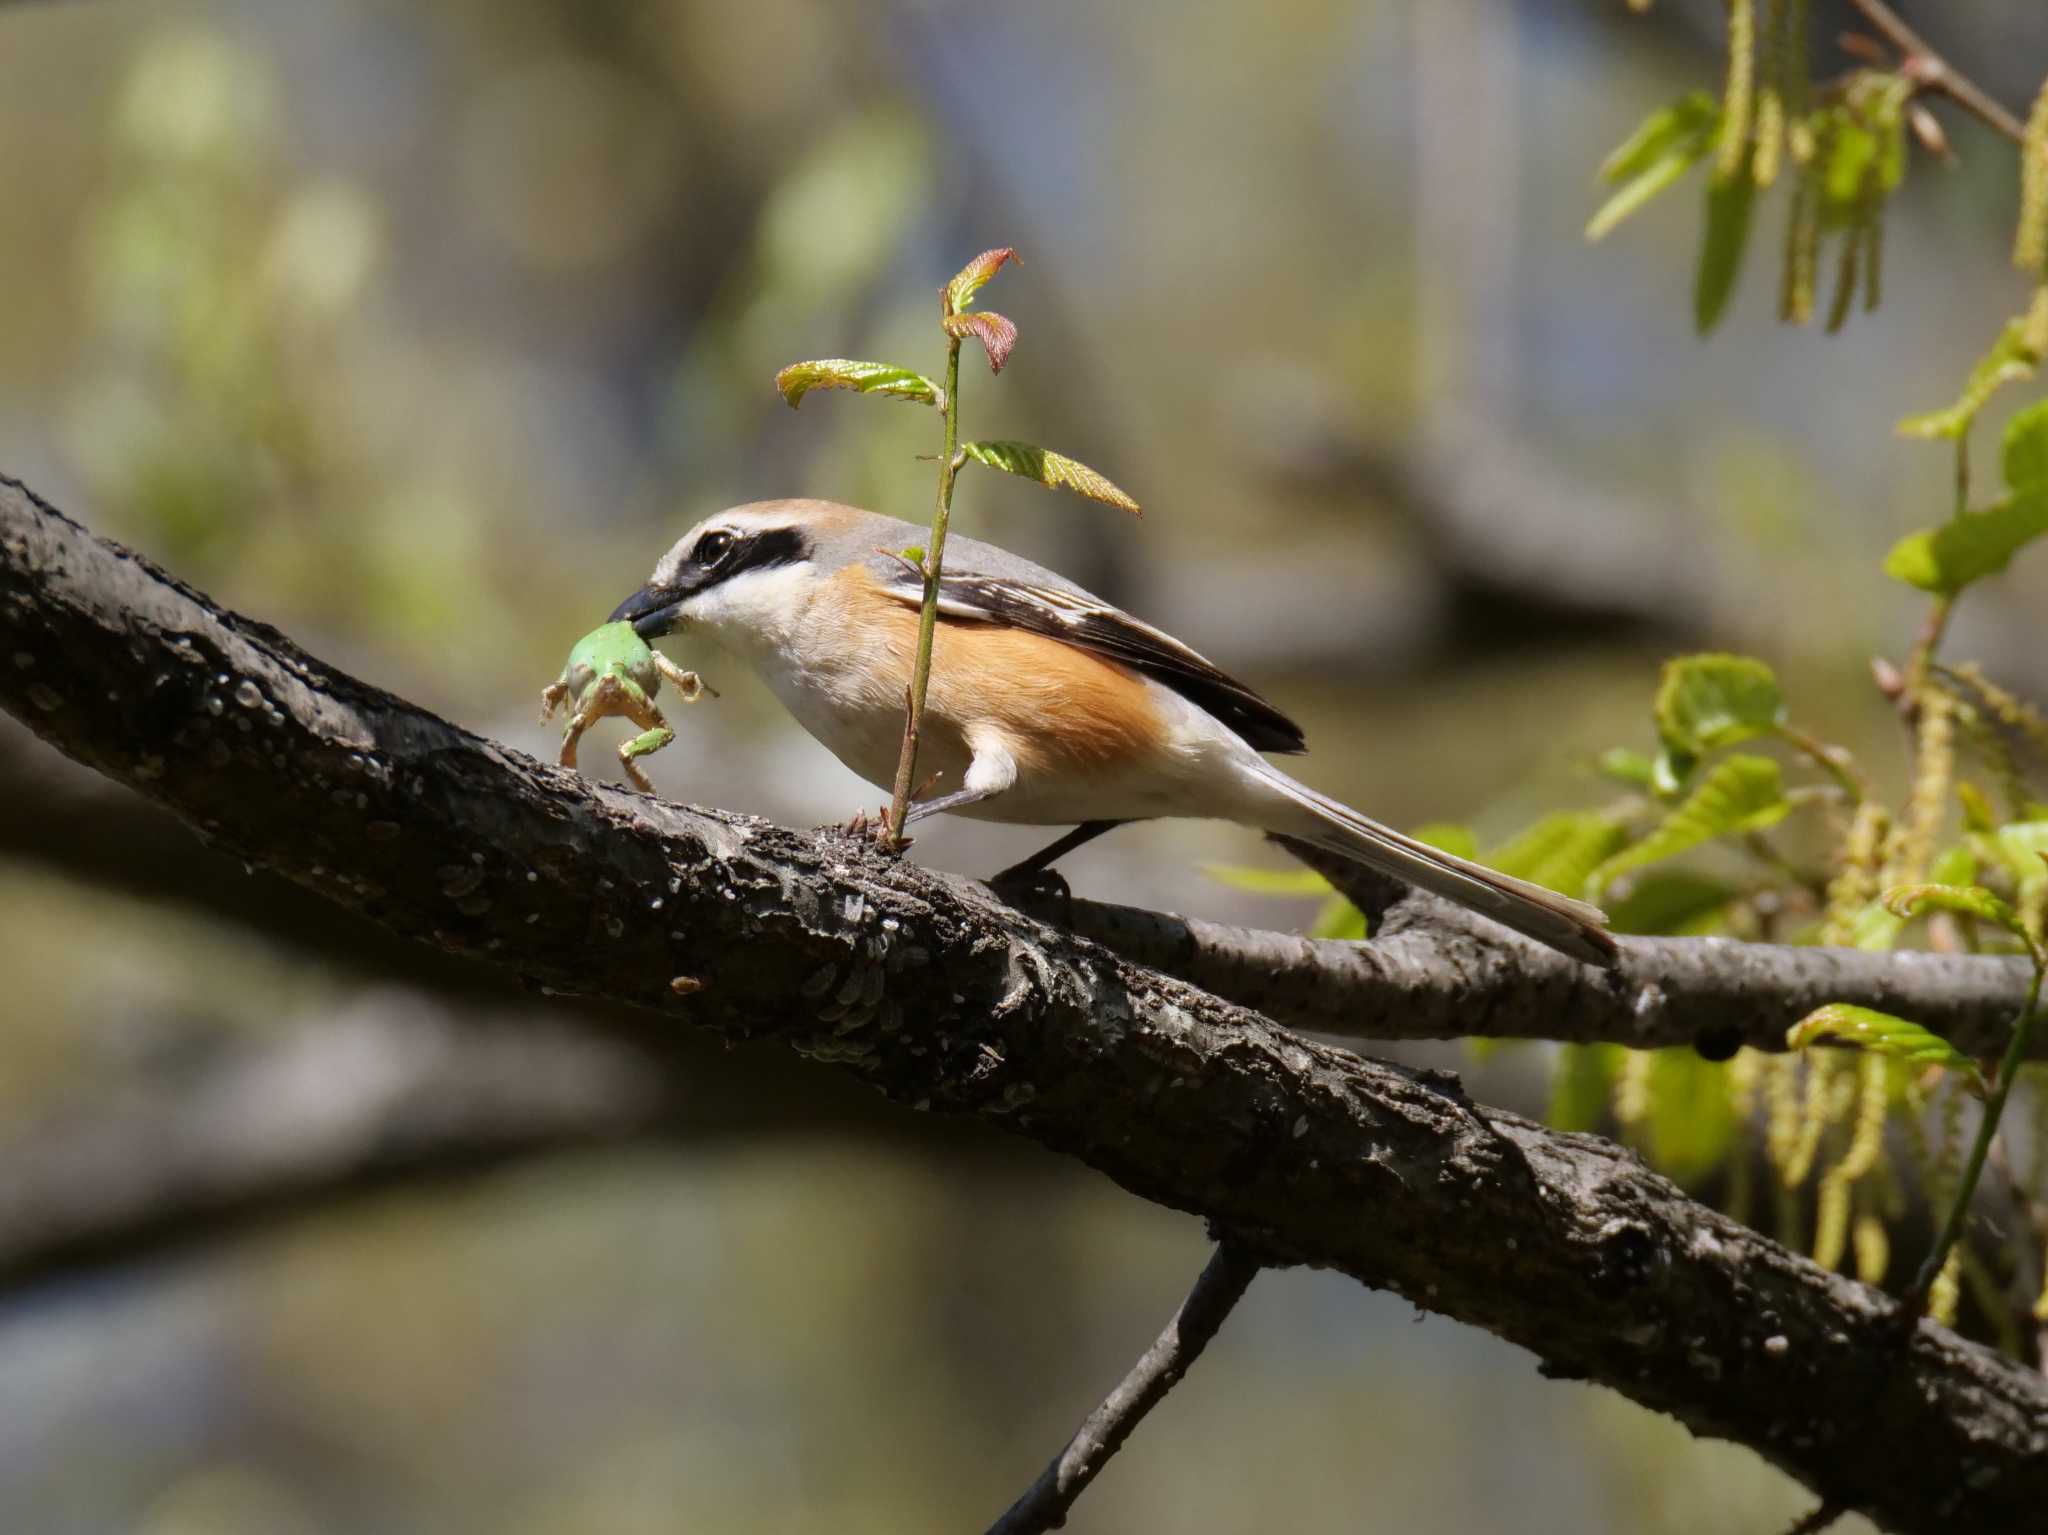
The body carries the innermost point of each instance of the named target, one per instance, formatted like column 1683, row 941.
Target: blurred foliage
column 419, row 329
column 1941, row 862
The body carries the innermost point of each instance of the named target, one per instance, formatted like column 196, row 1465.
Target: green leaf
column 1625, row 766
column 1448, row 837
column 1954, row 866
column 1851, row 152
column 1054, row 470
column 1690, row 117
column 800, row 378
column 1691, row 1123
column 1672, row 903
column 1559, row 851
column 1660, row 177
column 1741, row 794
column 1970, row 545
column 2025, row 457
column 1977, row 816
column 974, row 276
column 1874, row 929
column 2010, row 359
column 1670, row 772
column 1267, row 881
column 1708, row 701
column 1891, row 130
column 1338, row 919
column 1910, row 901
column 996, row 334
column 1668, row 144
column 1884, row 1033
column 1581, row 1085
column 2022, row 847
column 1729, row 202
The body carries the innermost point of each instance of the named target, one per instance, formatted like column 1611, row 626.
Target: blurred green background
column 419, row 329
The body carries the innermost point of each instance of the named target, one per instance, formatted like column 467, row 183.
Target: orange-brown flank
column 1059, row 708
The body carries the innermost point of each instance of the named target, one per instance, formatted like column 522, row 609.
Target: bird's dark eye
column 713, row 547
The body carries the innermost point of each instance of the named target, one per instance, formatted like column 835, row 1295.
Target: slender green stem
column 928, row 615
column 1832, row 760
column 1994, row 1108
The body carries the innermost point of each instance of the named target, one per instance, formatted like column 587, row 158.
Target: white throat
column 759, row 615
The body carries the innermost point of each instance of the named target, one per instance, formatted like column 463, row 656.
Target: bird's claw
column 878, row 829
column 1038, row 889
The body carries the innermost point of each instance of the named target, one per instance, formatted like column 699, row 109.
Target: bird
column 1047, row 705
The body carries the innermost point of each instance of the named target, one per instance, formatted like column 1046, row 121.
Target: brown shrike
column 1047, row 705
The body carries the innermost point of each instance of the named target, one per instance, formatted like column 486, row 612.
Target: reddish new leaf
column 996, row 333
column 971, row 278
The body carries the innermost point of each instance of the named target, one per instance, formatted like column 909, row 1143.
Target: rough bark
column 941, row 997
column 1434, row 971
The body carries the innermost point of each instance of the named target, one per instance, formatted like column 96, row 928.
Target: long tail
column 1571, row 927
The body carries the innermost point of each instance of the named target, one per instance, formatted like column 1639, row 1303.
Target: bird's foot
column 1045, row 891
column 876, row 830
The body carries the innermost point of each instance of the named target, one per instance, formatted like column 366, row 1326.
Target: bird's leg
column 954, row 801
column 1041, row 862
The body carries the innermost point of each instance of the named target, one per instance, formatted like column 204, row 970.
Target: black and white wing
column 1092, row 624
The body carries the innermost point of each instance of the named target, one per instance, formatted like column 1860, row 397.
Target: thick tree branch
column 940, row 997
column 1218, row 1289
column 1433, row 972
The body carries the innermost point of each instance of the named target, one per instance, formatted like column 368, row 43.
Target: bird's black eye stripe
column 720, row 555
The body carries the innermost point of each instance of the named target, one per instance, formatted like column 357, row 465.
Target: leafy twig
column 928, row 613
column 1045, row 1503
column 997, row 335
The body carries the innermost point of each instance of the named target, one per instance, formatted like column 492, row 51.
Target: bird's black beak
column 652, row 611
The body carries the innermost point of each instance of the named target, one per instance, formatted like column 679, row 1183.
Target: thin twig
column 1045, row 1503
column 2033, row 1218
column 1994, row 1110
column 1935, row 73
